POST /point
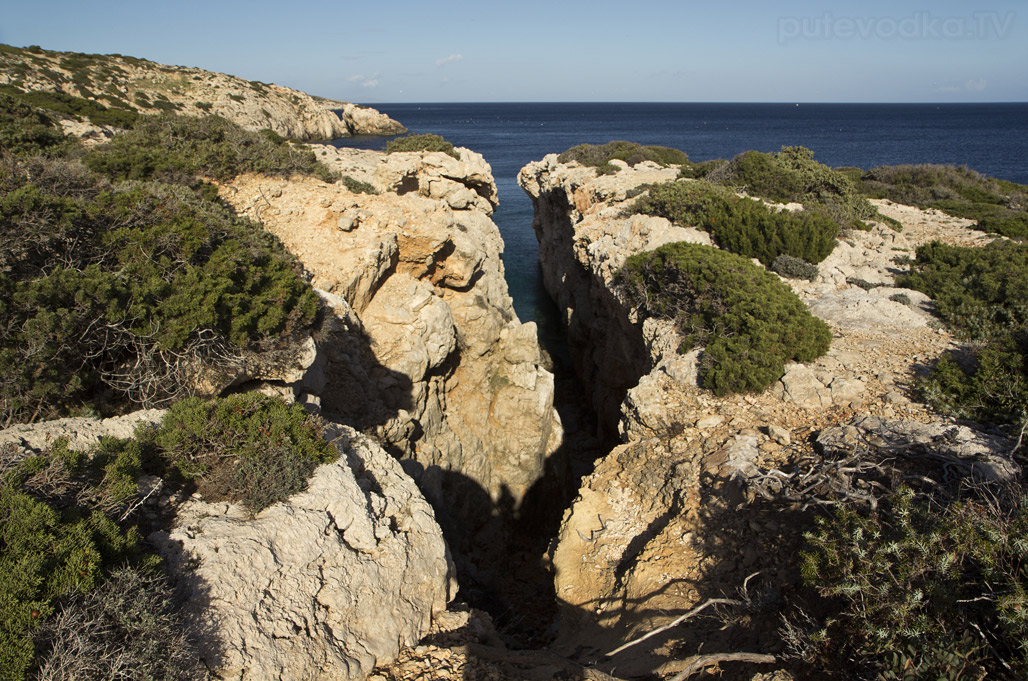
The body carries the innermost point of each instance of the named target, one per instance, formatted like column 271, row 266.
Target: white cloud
column 976, row 84
column 363, row 80
column 449, row 60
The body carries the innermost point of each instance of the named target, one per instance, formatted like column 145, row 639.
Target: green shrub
column 794, row 268
column 792, row 174
column 749, row 322
column 76, row 107
column 426, row 142
column 246, row 448
column 50, row 549
column 600, row 156
column 743, row 226
column 25, row 131
column 128, row 627
column 980, row 293
column 357, row 186
column 204, row 106
column 111, row 292
column 923, row 588
column 998, row 206
column 183, row 149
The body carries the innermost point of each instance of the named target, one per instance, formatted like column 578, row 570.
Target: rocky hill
column 139, row 85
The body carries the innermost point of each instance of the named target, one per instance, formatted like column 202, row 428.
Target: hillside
column 134, row 85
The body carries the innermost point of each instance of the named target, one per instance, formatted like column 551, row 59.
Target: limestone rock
column 422, row 347
column 150, row 88
column 988, row 456
column 82, row 432
column 325, row 585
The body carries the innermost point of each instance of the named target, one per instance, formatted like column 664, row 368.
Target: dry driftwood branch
column 671, row 625
column 697, row 663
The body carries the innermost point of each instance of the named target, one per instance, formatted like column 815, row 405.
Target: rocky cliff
column 326, row 585
column 422, row 346
column 665, row 521
column 148, row 87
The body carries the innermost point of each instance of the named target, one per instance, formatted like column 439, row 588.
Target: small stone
column 895, row 397
column 708, row 422
column 779, row 435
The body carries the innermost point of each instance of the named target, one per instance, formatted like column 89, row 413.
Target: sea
column 990, row 138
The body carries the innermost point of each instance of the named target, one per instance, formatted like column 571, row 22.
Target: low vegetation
column 70, row 553
column 426, row 142
column 741, row 225
column 922, row 588
column 184, row 150
column 748, row 322
column 118, row 292
column 600, row 156
column 792, row 175
column 246, row 448
column 980, row 293
column 75, row 107
column 998, row 206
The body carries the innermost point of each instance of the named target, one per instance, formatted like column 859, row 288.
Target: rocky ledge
column 664, row 522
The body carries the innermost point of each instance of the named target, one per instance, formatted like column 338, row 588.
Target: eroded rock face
column 326, row 585
column 664, row 521
column 442, row 370
column 583, row 242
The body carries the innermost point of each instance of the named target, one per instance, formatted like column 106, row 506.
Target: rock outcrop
column 149, row 87
column 422, row 346
column 662, row 522
column 327, row 585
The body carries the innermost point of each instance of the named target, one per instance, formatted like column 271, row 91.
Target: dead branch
column 697, row 663
column 659, row 630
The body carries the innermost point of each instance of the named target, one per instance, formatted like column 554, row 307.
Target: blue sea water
column 990, row 138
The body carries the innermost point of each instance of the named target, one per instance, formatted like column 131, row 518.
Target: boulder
column 326, row 585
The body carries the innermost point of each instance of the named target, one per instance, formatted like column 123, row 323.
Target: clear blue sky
column 598, row 50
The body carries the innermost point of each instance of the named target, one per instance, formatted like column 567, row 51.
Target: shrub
column 246, row 448
column 740, row 225
column 25, row 131
column 76, row 107
column 600, row 156
column 49, row 550
column 926, row 589
column 792, row 174
column 118, row 292
column 747, row 320
column 998, row 206
column 426, row 142
column 357, row 186
column 980, row 293
column 794, row 268
column 183, row 149
column 127, row 628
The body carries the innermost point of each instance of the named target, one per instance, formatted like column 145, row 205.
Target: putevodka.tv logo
column 917, row 26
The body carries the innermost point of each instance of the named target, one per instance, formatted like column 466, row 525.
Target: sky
column 596, row 51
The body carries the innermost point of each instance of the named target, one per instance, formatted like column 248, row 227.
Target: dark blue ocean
column 990, row 138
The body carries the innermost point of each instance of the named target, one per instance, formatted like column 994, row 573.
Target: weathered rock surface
column 583, row 241
column 149, row 87
column 444, row 373
column 326, row 585
column 81, row 432
column 661, row 524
